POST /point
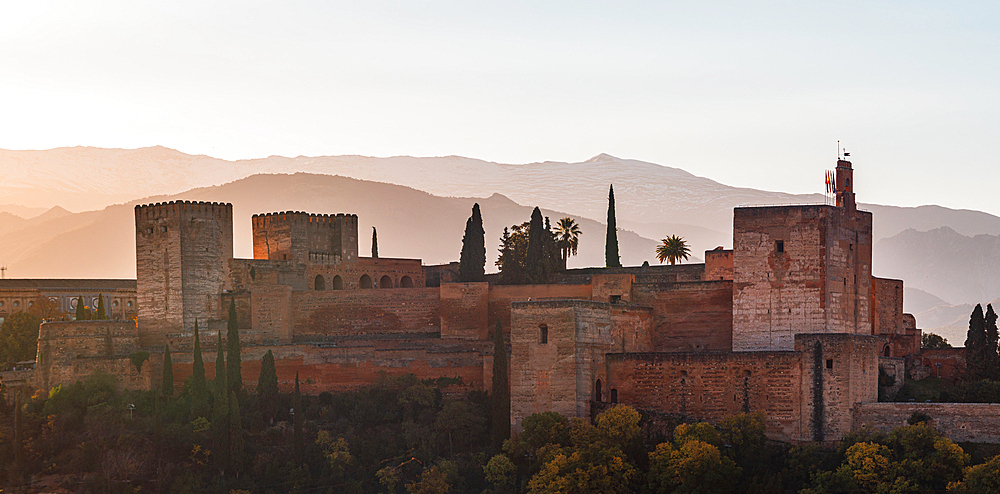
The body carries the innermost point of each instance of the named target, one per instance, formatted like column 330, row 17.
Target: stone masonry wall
column 718, row 265
column 341, row 313
column 695, row 316
column 799, row 269
column 712, row 386
column 502, row 296
column 960, row 422
column 465, row 311
column 70, row 351
column 887, row 306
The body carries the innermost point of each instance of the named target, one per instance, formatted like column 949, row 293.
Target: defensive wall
column 69, row 351
column 960, row 422
column 21, row 294
column 305, row 238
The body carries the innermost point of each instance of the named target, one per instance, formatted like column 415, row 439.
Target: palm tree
column 672, row 249
column 567, row 238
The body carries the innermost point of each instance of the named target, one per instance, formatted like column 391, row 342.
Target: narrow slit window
column 543, row 334
column 779, row 246
column 829, row 363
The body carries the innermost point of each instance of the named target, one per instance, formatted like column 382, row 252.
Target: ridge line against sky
column 750, row 95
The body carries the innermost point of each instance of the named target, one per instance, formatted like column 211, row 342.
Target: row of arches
column 599, row 393
column 337, row 283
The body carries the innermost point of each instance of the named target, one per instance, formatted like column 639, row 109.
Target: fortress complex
column 790, row 322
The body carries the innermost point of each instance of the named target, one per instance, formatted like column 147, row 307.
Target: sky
column 751, row 94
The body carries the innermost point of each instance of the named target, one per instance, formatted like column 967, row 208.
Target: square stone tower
column 801, row 269
column 182, row 252
column 305, row 238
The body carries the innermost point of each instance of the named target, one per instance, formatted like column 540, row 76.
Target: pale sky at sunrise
column 751, row 94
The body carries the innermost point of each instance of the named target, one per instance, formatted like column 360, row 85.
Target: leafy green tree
column 618, row 425
column 611, row 257
column 234, row 366
column 267, row 388
column 510, row 261
column 693, row 467
column 672, row 249
column 298, row 417
column 138, row 358
column 567, row 238
column 19, row 337
column 220, row 429
column 535, row 254
column 500, row 474
column 472, row 263
column 221, row 384
column 236, row 441
column 587, row 469
column 699, row 431
column 500, row 401
column 374, row 243
column 432, row 481
column 931, row 340
column 101, row 313
column 984, row 477
column 167, row 383
column 976, row 345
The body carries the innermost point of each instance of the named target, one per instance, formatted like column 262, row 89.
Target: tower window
column 543, row 334
column 779, row 246
column 829, row 363
column 163, row 228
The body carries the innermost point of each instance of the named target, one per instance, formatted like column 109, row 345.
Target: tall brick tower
column 801, row 269
column 182, row 252
column 303, row 238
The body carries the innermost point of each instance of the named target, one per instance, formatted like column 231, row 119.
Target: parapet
column 176, row 208
column 312, row 219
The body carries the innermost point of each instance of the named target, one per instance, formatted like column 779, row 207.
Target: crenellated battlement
column 170, row 209
column 300, row 217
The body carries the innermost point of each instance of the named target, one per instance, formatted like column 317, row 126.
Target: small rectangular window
column 779, row 246
column 616, row 299
column 163, row 228
column 543, row 334
column 829, row 363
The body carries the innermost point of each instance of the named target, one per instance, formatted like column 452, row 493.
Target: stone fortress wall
column 790, row 322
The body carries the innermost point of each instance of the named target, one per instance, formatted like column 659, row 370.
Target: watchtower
column 182, row 252
column 305, row 238
column 801, row 269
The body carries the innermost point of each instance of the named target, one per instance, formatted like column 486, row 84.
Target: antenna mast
column 3, row 272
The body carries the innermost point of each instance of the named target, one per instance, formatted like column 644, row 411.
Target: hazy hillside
column 410, row 223
column 916, row 300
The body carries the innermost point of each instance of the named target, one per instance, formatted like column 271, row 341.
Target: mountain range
column 420, row 204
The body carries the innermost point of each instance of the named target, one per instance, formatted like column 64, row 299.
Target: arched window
column 365, row 282
column 543, row 333
column 886, row 352
column 320, row 283
column 406, row 282
column 385, row 282
column 338, row 283
column 598, row 392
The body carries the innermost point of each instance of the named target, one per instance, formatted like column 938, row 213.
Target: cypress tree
column 535, row 260
column 501, row 390
column 234, row 366
column 82, row 314
column 992, row 360
column 220, row 369
column 374, row 243
column 197, row 369
column 220, row 430
column 975, row 345
column 267, row 388
column 472, row 263
column 101, row 313
column 298, row 438
column 235, row 435
column 168, row 373
column 611, row 257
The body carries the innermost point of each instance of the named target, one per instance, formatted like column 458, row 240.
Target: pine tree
column 168, row 373
column 197, row 370
column 82, row 314
column 472, row 263
column 992, row 359
column 611, row 257
column 235, row 435
column 234, row 366
column 500, row 403
column 976, row 345
column 101, row 313
column 298, row 417
column 534, row 262
column 374, row 243
column 267, row 388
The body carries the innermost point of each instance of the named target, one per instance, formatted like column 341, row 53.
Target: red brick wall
column 353, row 312
column 960, row 422
column 718, row 265
column 694, row 316
column 465, row 310
column 501, row 297
column 887, row 306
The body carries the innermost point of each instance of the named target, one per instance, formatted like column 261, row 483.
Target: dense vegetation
column 406, row 435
